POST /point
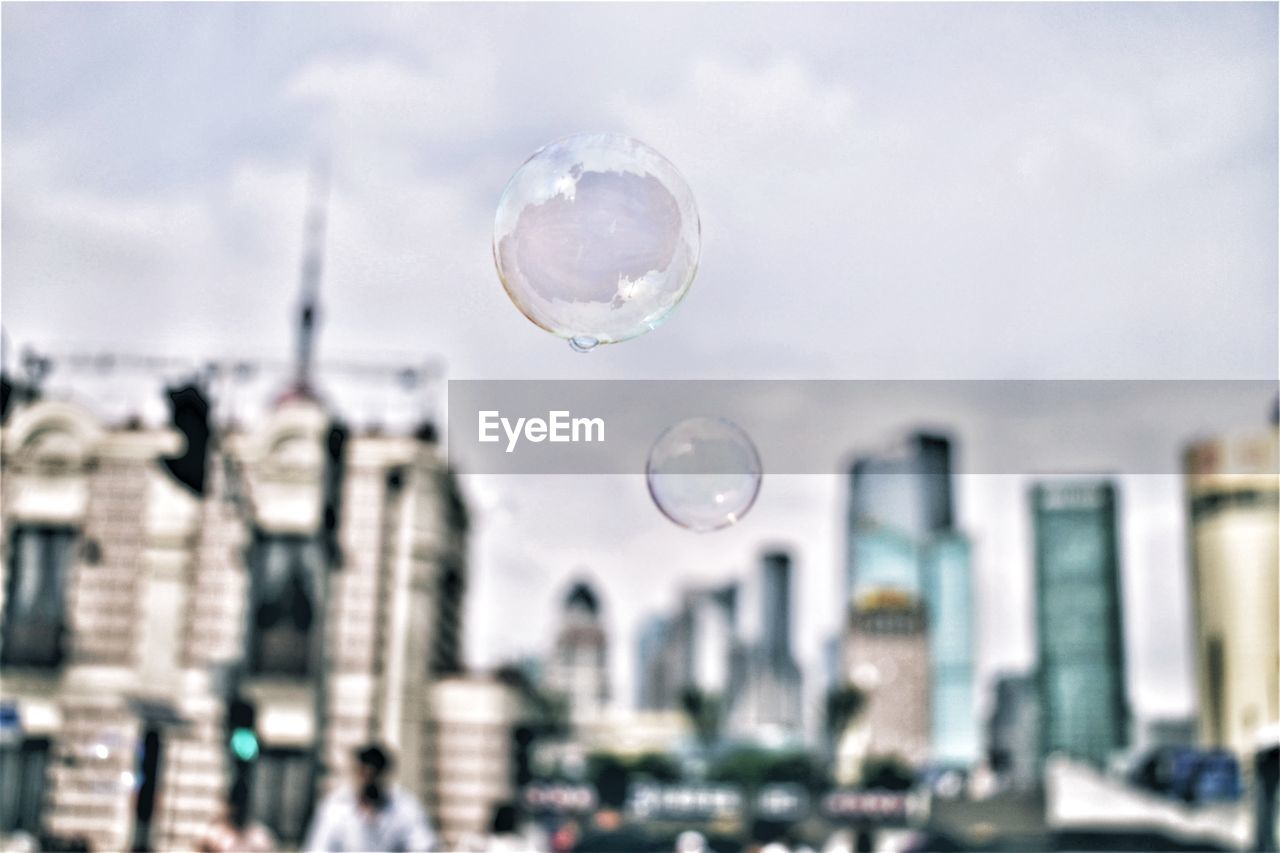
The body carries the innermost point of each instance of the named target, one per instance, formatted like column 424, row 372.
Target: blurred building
column 947, row 576
column 887, row 655
column 317, row 577
column 764, row 696
column 1160, row 732
column 654, row 677
column 902, row 546
column 1079, row 609
column 1234, row 502
column 183, row 607
column 1013, row 732
column 474, row 723
column 906, row 490
column 578, row 668
column 696, row 647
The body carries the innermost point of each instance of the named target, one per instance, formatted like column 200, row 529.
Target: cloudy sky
column 911, row 191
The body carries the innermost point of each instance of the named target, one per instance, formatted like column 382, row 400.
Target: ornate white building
column 319, row 579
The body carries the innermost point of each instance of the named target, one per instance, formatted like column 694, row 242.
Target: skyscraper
column 1079, row 609
column 1234, row 499
column 906, row 490
column 904, row 550
column 765, row 692
column 948, row 594
column 652, row 686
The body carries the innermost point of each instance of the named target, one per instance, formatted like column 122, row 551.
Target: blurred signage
column 782, row 802
column 886, row 807
column 685, row 802
column 560, row 797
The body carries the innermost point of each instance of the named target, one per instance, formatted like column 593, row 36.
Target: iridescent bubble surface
column 704, row 473
column 596, row 238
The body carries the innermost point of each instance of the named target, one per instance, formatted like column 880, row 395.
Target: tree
column 703, row 710
column 843, row 705
column 888, row 772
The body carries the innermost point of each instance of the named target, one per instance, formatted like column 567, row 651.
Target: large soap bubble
column 596, row 238
column 704, row 473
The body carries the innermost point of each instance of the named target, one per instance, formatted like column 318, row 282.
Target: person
column 234, row 831
column 609, row 832
column 371, row 814
column 691, row 841
column 504, row 835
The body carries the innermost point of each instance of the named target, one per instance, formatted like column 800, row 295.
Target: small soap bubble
column 704, row 473
column 596, row 239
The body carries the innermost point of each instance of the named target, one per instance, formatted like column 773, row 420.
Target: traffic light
column 242, row 737
column 189, row 415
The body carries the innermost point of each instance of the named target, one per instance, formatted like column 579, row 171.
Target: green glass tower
column 1081, row 678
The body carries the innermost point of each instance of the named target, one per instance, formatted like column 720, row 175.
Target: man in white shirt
column 370, row 815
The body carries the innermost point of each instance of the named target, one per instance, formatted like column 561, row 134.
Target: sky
column 1002, row 191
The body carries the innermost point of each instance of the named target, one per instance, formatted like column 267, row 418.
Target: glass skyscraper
column 946, row 573
column 904, row 550
column 1081, row 678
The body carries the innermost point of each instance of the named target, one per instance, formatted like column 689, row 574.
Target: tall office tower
column 948, row 596
column 887, row 654
column 1234, row 493
column 712, row 637
column 896, row 498
column 653, row 681
column 775, row 600
column 765, row 697
column 1013, row 731
column 1079, row 609
column 901, row 540
column 579, row 665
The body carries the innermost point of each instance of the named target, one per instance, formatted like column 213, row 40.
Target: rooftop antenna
column 313, row 236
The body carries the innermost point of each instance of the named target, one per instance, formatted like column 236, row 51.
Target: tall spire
column 312, row 266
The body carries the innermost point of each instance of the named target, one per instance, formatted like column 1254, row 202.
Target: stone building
column 578, row 668
column 316, row 576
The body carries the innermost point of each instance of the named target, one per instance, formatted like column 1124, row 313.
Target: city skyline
column 1123, row 185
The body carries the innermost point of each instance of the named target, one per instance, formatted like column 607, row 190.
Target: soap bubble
column 596, row 238
column 704, row 473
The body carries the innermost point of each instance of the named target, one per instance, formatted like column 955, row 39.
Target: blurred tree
column 888, row 772
column 703, row 711
column 752, row 767
column 843, row 705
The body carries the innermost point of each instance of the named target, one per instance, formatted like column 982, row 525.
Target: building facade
column 474, row 722
column 947, row 579
column 1079, row 620
column 1013, row 732
column 765, row 688
column 887, row 655
column 903, row 547
column 312, row 576
column 1234, row 507
column 578, row 668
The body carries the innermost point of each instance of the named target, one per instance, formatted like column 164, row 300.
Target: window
column 34, row 613
column 282, row 786
column 22, row 783
column 283, row 605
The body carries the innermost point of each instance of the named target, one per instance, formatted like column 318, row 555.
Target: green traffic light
column 244, row 744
